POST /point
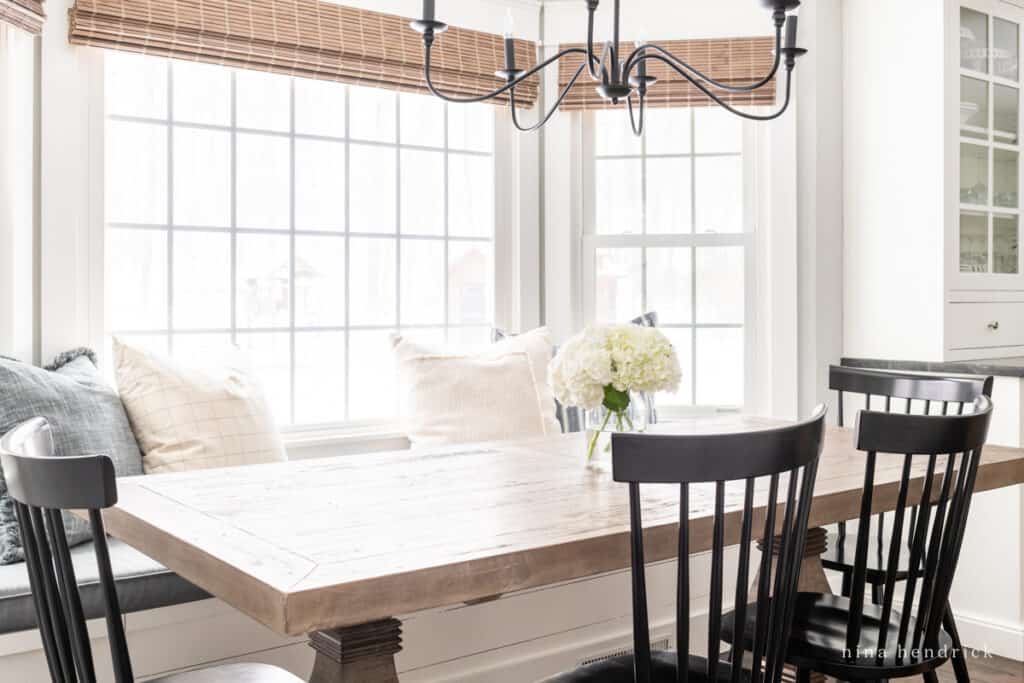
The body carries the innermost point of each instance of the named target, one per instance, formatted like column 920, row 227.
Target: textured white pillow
column 489, row 395
column 537, row 345
column 190, row 419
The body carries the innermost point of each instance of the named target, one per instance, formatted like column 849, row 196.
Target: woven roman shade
column 27, row 15
column 306, row 38
column 730, row 60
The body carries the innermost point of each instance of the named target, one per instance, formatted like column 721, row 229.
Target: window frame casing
column 591, row 241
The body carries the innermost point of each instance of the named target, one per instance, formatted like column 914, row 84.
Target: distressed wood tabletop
column 317, row 544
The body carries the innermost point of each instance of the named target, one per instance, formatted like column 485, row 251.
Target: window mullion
column 170, row 207
column 292, row 247
column 692, row 121
column 398, row 212
column 348, row 254
column 447, row 220
column 233, row 290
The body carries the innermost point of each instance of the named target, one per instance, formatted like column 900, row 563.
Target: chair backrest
column 952, row 443
column 952, row 393
column 42, row 486
column 762, row 463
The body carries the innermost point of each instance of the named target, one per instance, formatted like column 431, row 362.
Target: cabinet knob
column 994, row 325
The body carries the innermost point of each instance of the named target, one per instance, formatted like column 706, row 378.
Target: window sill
column 343, row 439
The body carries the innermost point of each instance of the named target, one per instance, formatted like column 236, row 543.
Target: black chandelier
column 623, row 80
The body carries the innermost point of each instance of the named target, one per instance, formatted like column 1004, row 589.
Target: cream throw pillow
column 498, row 392
column 191, row 419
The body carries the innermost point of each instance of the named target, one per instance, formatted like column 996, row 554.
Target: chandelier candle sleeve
column 619, row 78
column 791, row 25
column 510, row 53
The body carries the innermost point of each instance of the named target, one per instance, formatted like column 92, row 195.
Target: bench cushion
column 142, row 583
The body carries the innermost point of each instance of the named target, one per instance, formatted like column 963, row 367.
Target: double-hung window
column 302, row 221
column 668, row 228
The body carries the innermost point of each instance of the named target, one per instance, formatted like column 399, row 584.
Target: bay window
column 303, row 221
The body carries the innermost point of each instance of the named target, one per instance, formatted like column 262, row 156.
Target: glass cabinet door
column 990, row 174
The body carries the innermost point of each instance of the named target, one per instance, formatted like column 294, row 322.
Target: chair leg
column 876, row 593
column 847, row 588
column 958, row 659
column 931, row 677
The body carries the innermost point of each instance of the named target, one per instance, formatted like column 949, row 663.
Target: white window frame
column 591, row 242
column 515, row 304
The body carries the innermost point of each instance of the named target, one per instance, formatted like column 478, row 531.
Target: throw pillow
column 491, row 394
column 537, row 345
column 193, row 419
column 85, row 415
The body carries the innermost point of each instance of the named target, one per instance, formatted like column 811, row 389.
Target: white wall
column 820, row 170
column 893, row 179
column 70, row 193
column 17, row 194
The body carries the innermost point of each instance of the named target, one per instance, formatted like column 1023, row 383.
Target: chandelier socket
column 640, row 82
column 614, row 92
column 791, row 54
column 509, row 75
column 428, row 26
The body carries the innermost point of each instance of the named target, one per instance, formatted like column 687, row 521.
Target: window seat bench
column 142, row 584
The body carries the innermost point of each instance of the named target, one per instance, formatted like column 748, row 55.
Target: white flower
column 625, row 357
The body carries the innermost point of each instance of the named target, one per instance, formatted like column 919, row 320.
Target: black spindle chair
column 43, row 486
column 842, row 636
column 932, row 393
column 761, row 465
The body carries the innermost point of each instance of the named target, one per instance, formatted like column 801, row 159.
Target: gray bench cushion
column 142, row 583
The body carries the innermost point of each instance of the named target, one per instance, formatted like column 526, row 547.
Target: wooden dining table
column 337, row 547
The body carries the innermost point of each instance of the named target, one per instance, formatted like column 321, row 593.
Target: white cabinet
column 987, row 125
column 932, row 179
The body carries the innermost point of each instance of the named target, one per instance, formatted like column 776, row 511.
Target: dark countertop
column 1002, row 367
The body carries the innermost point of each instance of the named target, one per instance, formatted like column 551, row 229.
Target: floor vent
column 662, row 644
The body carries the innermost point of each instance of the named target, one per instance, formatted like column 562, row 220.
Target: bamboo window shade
column 27, row 15
column 308, row 38
column 735, row 61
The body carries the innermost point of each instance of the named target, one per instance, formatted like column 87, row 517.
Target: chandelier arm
column 634, row 59
column 591, row 55
column 638, row 130
column 717, row 100
column 495, row 93
column 603, row 63
column 547, row 117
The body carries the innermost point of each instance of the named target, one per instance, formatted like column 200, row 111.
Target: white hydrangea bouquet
column 604, row 364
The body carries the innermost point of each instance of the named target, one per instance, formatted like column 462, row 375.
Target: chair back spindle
column 43, row 486
column 751, row 482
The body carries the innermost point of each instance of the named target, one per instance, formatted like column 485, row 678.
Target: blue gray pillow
column 86, row 417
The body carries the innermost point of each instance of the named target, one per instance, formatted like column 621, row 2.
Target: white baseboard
column 1004, row 639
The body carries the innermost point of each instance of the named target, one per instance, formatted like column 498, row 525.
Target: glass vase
column 601, row 423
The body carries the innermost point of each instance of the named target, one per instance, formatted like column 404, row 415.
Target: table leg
column 357, row 654
column 812, row 579
column 812, row 572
